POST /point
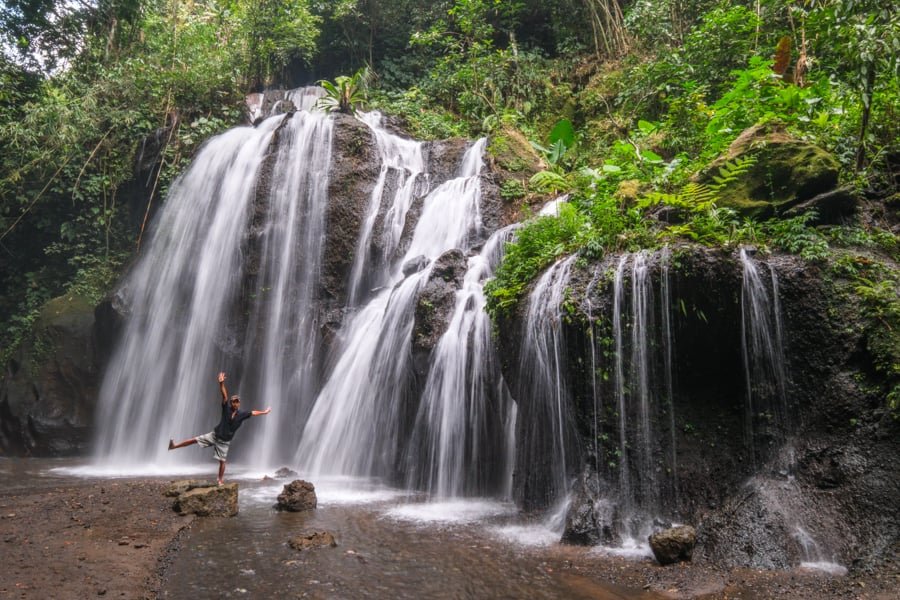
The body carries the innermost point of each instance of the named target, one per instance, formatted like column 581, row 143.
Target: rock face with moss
column 785, row 172
column 757, row 481
column 48, row 393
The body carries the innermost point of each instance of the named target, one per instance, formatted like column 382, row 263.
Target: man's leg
column 173, row 445
column 221, row 472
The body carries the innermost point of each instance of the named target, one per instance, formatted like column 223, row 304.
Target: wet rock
column 176, row 488
column 436, row 300
column 591, row 517
column 49, row 391
column 354, row 170
column 297, row 496
column 309, row 541
column 414, row 265
column 284, row 473
column 208, row 501
column 673, row 545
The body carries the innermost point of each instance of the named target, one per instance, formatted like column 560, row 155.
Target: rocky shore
column 116, row 539
column 83, row 539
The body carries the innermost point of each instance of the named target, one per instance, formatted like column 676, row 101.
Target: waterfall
column 643, row 384
column 354, row 427
column 455, row 449
column 765, row 373
column 542, row 394
column 595, row 393
column 280, row 359
column 665, row 309
column 161, row 380
column 402, row 162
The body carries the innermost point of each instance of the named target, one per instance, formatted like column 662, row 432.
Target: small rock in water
column 298, row 495
column 284, row 473
column 312, row 540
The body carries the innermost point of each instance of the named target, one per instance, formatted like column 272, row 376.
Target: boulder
column 297, row 496
column 786, row 172
column 284, row 473
column 209, row 500
column 831, row 208
column 176, row 488
column 674, row 544
column 590, row 519
column 316, row 539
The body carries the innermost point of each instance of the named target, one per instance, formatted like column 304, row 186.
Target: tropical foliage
column 623, row 102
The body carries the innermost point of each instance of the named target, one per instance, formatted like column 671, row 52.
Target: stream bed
column 390, row 545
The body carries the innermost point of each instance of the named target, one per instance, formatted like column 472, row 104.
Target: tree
column 865, row 37
column 274, row 33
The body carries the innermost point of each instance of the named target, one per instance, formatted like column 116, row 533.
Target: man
column 220, row 437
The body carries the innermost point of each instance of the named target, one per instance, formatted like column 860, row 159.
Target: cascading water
column 455, row 449
column 547, row 459
column 280, row 359
column 244, row 274
column 643, row 384
column 403, row 166
column 354, row 428
column 668, row 367
column 765, row 373
column 160, row 382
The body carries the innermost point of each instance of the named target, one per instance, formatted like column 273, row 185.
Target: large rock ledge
column 832, row 477
column 204, row 499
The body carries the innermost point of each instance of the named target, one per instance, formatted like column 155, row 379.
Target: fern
column 732, row 170
column 548, row 182
column 701, row 197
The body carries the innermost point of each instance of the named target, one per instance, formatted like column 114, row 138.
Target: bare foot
column 221, row 482
column 171, row 444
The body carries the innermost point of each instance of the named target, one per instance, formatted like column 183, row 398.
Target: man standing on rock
column 220, row 437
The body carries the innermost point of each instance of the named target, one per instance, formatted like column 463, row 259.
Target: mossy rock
column 511, row 152
column 51, row 383
column 786, row 172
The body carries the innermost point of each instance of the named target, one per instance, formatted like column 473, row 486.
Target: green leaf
column 647, row 127
column 651, row 157
column 563, row 132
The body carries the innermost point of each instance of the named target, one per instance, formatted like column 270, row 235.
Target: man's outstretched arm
column 222, row 387
column 259, row 413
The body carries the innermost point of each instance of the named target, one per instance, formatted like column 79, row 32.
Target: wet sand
column 81, row 539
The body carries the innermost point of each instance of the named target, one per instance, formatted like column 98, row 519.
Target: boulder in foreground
column 206, row 499
column 297, row 496
column 674, row 544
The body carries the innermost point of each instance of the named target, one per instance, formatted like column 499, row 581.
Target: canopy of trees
column 650, row 90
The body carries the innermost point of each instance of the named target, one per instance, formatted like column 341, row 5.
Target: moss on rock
column 786, row 172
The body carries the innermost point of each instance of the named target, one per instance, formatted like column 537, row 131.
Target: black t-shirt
column 227, row 426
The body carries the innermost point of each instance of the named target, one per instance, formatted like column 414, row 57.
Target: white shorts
column 210, row 439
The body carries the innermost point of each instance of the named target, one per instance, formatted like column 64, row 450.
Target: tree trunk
column 867, row 112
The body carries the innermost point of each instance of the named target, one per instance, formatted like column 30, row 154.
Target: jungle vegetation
column 621, row 100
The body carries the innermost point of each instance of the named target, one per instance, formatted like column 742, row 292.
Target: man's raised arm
column 222, row 387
